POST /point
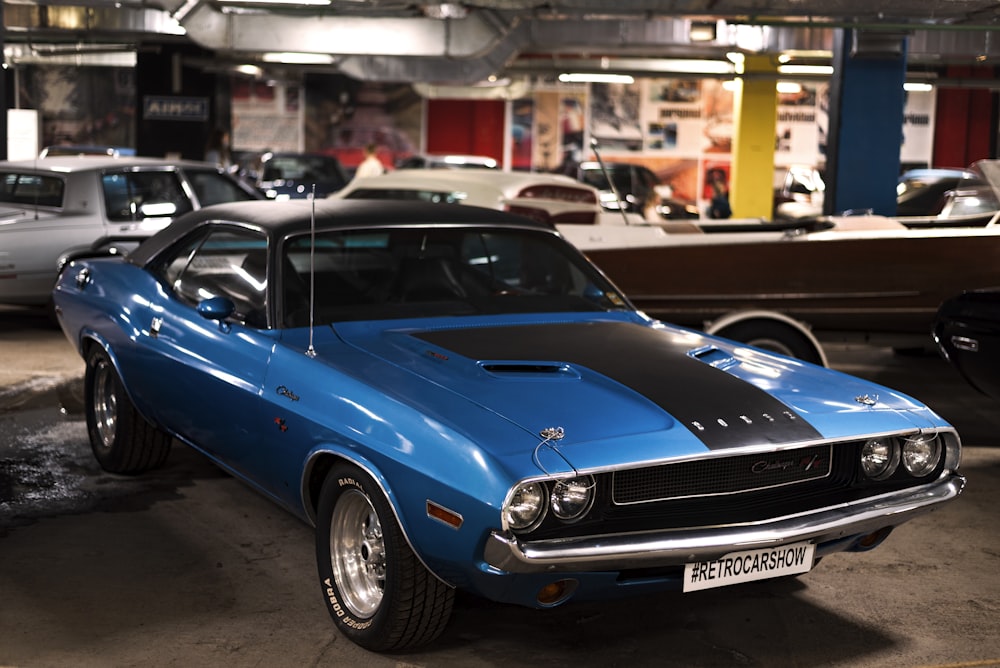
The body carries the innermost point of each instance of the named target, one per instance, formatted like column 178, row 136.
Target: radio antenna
column 607, row 175
column 311, row 351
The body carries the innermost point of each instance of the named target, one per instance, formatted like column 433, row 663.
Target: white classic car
column 52, row 206
column 550, row 198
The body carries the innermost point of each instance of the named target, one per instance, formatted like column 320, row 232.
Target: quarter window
column 32, row 190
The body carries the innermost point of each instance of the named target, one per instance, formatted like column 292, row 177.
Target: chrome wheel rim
column 357, row 553
column 105, row 404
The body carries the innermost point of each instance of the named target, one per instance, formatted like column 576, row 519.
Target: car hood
column 638, row 389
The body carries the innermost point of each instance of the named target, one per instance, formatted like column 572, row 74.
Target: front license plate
column 736, row 567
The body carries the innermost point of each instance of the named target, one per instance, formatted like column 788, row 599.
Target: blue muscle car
column 457, row 399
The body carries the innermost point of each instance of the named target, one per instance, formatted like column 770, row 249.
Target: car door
column 202, row 377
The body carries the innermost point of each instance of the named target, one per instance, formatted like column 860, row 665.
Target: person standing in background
column 371, row 165
column 217, row 148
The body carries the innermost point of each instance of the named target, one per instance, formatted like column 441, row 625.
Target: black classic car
column 967, row 332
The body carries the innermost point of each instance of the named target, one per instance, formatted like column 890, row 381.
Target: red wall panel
column 963, row 128
column 472, row 127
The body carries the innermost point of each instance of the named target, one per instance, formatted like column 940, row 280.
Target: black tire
column 122, row 440
column 376, row 590
column 774, row 336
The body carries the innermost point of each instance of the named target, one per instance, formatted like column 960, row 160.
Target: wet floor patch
column 47, row 467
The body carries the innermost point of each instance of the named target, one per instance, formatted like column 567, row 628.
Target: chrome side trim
column 506, row 552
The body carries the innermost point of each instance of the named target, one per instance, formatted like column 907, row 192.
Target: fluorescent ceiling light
column 698, row 66
column 917, row 87
column 295, row 58
column 789, row 87
column 249, row 70
column 596, row 77
column 311, row 3
column 805, row 69
column 702, row 31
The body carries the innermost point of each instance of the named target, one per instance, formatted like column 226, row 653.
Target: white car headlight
column 879, row 458
column 921, row 455
column 572, row 498
column 525, row 506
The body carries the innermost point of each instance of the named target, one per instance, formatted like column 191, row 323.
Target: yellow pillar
column 755, row 127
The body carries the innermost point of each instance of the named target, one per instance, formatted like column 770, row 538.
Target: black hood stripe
column 722, row 410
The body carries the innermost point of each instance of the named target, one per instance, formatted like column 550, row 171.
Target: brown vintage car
column 863, row 278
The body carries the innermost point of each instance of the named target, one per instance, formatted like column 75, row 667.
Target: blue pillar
column 866, row 121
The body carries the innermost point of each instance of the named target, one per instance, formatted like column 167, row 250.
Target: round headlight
column 879, row 458
column 525, row 506
column 572, row 498
column 921, row 455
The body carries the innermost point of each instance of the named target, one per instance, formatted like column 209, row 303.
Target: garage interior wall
column 967, row 120
column 190, row 95
column 473, row 127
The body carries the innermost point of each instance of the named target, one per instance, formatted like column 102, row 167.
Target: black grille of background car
column 723, row 475
column 720, row 491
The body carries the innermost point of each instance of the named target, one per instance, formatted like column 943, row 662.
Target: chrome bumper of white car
column 615, row 552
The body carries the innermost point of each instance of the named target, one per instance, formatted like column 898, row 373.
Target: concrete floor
column 188, row 567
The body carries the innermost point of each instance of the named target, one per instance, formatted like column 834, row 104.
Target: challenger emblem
column 285, row 392
column 867, row 399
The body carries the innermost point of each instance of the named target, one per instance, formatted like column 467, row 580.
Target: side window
column 31, row 189
column 138, row 195
column 224, row 263
column 211, row 187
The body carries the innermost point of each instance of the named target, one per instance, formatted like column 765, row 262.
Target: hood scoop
column 522, row 370
column 712, row 356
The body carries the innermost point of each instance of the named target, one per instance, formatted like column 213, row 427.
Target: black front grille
column 721, row 475
column 725, row 491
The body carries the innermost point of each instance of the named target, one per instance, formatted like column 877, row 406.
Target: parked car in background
column 443, row 161
column 921, row 192
column 457, row 399
column 945, row 198
column 967, row 332
column 799, row 192
column 298, row 175
column 546, row 197
column 85, row 149
column 52, row 206
column 936, row 197
column 640, row 190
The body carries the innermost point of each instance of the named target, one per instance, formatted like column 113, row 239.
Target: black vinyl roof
column 282, row 218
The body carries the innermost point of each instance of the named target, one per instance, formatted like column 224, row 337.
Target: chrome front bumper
column 615, row 552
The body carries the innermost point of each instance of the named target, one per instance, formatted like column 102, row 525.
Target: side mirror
column 216, row 308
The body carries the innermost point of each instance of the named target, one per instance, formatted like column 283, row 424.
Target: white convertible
column 550, row 198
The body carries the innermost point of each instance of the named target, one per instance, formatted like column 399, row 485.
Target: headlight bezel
column 518, row 521
column 561, row 489
column 564, row 500
column 889, row 458
column 911, row 446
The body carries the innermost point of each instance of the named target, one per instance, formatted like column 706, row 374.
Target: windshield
column 437, row 271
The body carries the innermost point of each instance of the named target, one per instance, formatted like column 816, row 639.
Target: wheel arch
column 727, row 322
column 319, row 465
column 92, row 340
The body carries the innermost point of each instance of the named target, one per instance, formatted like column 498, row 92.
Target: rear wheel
column 122, row 440
column 376, row 590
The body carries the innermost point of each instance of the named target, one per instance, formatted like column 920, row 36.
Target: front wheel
column 122, row 440
column 376, row 590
